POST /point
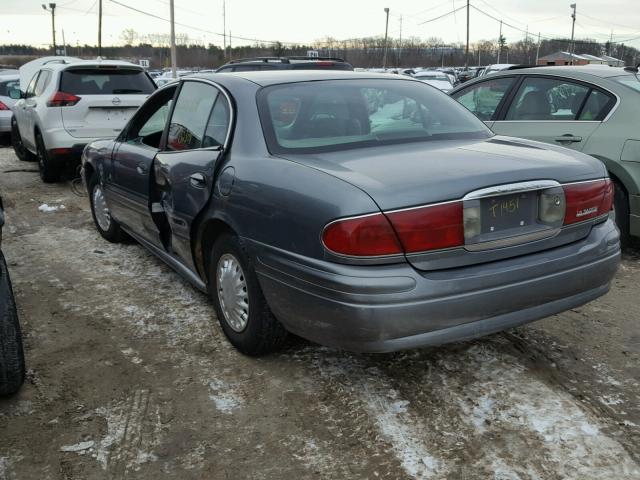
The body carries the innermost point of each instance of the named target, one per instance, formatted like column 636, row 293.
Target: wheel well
column 209, row 232
column 617, row 181
column 88, row 172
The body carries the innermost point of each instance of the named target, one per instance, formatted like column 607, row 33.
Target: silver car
column 9, row 90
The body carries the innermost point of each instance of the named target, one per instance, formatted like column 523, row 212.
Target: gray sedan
column 362, row 211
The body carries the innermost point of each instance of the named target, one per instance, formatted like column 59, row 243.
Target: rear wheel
column 49, row 173
column 16, row 142
column 621, row 206
column 12, row 368
column 242, row 310
column 104, row 222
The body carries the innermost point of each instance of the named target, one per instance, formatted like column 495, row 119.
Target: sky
column 300, row 21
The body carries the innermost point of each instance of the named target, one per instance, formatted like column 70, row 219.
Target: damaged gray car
column 362, row 211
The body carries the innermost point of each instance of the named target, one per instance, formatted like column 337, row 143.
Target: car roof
column 274, row 77
column 602, row 71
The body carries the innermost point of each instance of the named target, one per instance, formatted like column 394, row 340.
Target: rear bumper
column 393, row 307
column 70, row 154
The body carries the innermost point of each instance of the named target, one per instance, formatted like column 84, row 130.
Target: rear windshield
column 311, row 117
column 106, row 82
column 7, row 85
column 631, row 81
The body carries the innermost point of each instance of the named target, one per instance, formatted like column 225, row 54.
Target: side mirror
column 16, row 94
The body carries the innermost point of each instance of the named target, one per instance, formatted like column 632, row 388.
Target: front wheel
column 104, row 222
column 18, row 146
column 242, row 310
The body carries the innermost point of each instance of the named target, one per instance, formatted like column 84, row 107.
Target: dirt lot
column 131, row 377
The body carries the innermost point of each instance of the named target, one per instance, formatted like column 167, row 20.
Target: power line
column 257, row 40
column 443, row 15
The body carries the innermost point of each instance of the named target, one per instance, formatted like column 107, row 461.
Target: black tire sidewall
column 12, row 367
column 250, row 339
column 48, row 173
column 621, row 206
column 16, row 142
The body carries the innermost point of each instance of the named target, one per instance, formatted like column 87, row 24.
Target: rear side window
column 106, row 82
column 483, row 98
column 547, row 99
column 190, row 116
column 597, row 106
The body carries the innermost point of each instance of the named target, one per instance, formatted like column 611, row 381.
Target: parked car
column 497, row 67
column 285, row 63
column 66, row 103
column 12, row 368
column 8, row 84
column 591, row 109
column 435, row 79
column 363, row 211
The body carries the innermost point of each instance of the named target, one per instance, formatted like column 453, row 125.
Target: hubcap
column 232, row 292
column 103, row 217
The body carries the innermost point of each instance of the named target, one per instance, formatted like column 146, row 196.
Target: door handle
column 197, row 180
column 141, row 169
column 568, row 138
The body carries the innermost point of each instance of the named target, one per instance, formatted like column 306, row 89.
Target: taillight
column 3, row 107
column 429, row 228
column 364, row 236
column 63, row 99
column 587, row 200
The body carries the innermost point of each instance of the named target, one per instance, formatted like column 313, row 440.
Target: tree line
column 360, row 52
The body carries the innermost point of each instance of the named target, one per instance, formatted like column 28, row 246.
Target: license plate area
column 511, row 216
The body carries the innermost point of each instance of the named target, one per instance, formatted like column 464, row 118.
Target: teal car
column 594, row 109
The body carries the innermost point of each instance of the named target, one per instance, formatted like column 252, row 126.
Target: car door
column 485, row 98
column 22, row 113
column 35, row 102
column 551, row 110
column 184, row 172
column 129, row 175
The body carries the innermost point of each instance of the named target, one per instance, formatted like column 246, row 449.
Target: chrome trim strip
column 511, row 241
column 511, row 188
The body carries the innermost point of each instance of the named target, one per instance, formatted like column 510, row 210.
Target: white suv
column 67, row 102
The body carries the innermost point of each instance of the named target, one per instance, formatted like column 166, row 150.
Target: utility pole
column 573, row 26
column 52, row 9
column 538, row 49
column 386, row 31
column 99, row 28
column 466, row 61
column 64, row 44
column 230, row 48
column 224, row 28
column 499, row 43
column 174, row 73
column 526, row 44
column 610, row 42
column 400, row 46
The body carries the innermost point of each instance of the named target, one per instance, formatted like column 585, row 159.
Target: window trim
column 500, row 106
column 224, row 147
column 584, row 83
column 45, row 71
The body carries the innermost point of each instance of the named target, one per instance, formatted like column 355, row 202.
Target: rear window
column 106, row 82
column 7, row 86
column 631, row 81
column 336, row 115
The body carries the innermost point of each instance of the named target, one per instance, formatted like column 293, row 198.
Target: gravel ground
column 131, row 377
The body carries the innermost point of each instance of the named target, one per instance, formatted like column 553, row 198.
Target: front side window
column 483, row 98
column 309, row 117
column 32, row 86
column 190, row 116
column 547, row 99
column 105, row 81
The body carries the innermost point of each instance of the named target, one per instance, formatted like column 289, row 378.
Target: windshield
column 335, row 115
column 103, row 81
column 631, row 81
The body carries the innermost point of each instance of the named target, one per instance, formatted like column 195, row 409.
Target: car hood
column 398, row 176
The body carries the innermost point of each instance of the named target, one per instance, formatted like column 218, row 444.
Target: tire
column 12, row 369
column 621, row 206
column 49, row 173
column 262, row 332
column 105, row 224
column 16, row 142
